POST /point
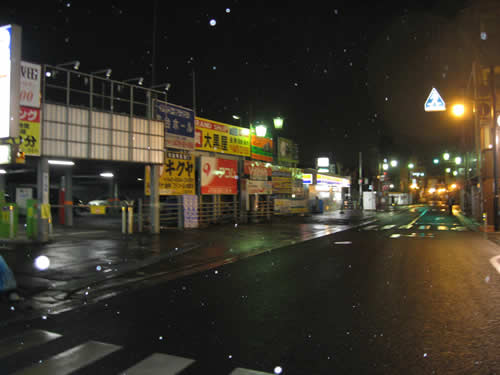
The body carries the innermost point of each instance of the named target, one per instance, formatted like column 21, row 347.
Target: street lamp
column 394, row 163
column 411, row 166
column 446, row 156
column 458, row 160
column 278, row 122
column 458, row 110
column 261, row 130
column 107, row 72
column 436, row 161
column 75, row 64
column 166, row 87
column 140, row 80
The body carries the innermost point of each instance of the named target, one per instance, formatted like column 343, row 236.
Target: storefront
column 325, row 193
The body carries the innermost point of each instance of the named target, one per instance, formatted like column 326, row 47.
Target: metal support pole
column 124, row 221
column 43, row 185
column 180, row 212
column 494, row 142
column 11, row 222
column 130, row 210
column 68, row 198
column 140, row 213
column 155, row 198
column 360, row 179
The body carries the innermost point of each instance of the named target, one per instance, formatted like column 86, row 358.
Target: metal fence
column 91, row 91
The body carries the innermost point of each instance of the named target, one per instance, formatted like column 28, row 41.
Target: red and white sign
column 258, row 170
column 219, row 176
column 29, row 93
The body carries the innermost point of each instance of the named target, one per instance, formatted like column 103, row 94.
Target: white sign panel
column 434, row 102
column 10, row 54
column 29, row 95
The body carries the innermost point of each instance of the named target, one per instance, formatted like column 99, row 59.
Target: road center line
column 422, row 214
column 495, row 262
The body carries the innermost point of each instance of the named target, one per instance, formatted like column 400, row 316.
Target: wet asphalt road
column 414, row 292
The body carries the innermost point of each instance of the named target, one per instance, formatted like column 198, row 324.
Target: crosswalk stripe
column 243, row 371
column 24, row 341
column 159, row 363
column 370, row 227
column 71, row 360
column 390, row 226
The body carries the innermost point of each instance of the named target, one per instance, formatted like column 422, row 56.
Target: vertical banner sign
column 179, row 125
column 10, row 66
column 177, row 175
column 287, row 151
column 218, row 137
column 190, row 211
column 29, row 130
column 29, row 95
column 219, row 176
column 262, row 148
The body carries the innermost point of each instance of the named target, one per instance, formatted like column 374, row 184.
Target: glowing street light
column 458, row 160
column 458, row 110
column 411, row 165
column 446, row 156
column 278, row 122
column 261, row 130
column 394, row 163
column 436, row 161
column 385, row 166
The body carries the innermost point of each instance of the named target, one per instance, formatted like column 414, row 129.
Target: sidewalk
column 85, row 258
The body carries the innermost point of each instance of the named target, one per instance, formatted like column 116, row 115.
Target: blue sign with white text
column 179, row 125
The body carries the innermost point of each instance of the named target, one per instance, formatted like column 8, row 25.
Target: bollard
column 11, row 222
column 140, row 223
column 124, row 221
column 130, row 220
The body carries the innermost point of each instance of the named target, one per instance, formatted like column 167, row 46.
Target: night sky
column 346, row 77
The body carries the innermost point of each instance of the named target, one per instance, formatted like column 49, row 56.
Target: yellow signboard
column 223, row 138
column 98, row 210
column 176, row 175
column 29, row 131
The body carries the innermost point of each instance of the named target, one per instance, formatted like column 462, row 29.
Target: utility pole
column 360, row 179
column 494, row 150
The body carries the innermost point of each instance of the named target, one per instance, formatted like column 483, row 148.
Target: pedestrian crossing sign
column 434, row 102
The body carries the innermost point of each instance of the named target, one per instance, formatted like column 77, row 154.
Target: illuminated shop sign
column 307, row 178
column 10, row 56
column 330, row 180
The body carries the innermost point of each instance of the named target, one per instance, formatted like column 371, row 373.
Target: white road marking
column 24, row 341
column 79, row 233
column 342, row 243
column 71, row 360
column 159, row 363
column 389, row 226
column 495, row 262
column 243, row 371
column 370, row 227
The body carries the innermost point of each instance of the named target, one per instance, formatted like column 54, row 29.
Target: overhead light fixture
column 140, row 80
column 61, row 162
column 3, row 171
column 107, row 72
column 107, row 175
column 75, row 64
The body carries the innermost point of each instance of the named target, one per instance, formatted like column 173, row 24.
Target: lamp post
column 278, row 123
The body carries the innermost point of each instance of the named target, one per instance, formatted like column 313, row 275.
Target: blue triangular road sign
column 434, row 102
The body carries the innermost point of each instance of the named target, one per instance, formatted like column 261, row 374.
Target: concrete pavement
column 83, row 258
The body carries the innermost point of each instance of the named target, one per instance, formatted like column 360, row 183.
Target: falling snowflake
column 278, row 370
column 98, row 268
column 160, row 338
column 425, row 355
column 228, row 10
column 213, row 22
column 336, row 11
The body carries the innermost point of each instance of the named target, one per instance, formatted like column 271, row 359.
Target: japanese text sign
column 219, row 176
column 218, row 137
column 257, row 170
column 29, row 94
column 177, row 175
column 29, row 130
column 179, row 125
